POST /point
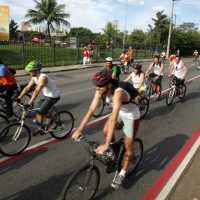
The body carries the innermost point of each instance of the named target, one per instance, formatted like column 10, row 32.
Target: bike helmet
column 33, row 66
column 102, row 78
column 137, row 66
column 109, row 59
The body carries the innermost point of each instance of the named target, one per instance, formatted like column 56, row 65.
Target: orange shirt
column 86, row 53
column 8, row 79
column 130, row 53
column 124, row 57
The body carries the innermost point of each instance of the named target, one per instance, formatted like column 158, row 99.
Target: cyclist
column 158, row 68
column 116, row 71
column 7, row 86
column 180, row 72
column 124, row 58
column 123, row 111
column 196, row 55
column 163, row 55
column 130, row 55
column 50, row 91
column 138, row 79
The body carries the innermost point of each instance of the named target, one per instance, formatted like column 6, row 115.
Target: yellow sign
column 4, row 23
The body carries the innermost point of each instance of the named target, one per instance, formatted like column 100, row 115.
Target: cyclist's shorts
column 130, row 127
column 159, row 80
column 179, row 82
column 45, row 104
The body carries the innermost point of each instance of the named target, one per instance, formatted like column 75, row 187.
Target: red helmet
column 102, row 78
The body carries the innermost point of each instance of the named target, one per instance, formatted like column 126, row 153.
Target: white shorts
column 130, row 127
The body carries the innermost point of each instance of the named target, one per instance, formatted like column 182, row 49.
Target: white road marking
column 174, row 178
column 77, row 91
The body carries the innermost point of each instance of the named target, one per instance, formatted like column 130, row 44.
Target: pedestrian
column 85, row 56
column 91, row 52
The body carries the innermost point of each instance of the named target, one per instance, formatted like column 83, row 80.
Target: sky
column 94, row 14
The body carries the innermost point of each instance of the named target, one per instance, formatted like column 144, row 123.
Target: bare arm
column 141, row 80
column 185, row 71
column 41, row 84
column 148, row 69
column 128, row 78
column 171, row 68
column 161, row 69
column 27, row 88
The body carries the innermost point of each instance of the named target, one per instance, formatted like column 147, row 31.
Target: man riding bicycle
column 158, row 68
column 50, row 91
column 180, row 71
column 124, row 58
column 124, row 110
column 116, row 71
column 7, row 87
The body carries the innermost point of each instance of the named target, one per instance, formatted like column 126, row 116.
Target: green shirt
column 115, row 70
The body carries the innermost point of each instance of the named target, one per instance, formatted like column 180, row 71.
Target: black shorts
column 153, row 75
column 179, row 82
column 45, row 104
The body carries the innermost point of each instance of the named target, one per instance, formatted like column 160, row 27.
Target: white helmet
column 109, row 59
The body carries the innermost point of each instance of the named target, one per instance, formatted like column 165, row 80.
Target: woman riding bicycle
column 156, row 76
column 138, row 79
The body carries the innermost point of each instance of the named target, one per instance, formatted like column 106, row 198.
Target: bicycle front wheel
column 99, row 109
column 144, row 107
column 63, row 125
column 170, row 97
column 3, row 123
column 16, row 138
column 83, row 184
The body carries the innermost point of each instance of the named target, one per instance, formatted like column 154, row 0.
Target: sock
column 122, row 172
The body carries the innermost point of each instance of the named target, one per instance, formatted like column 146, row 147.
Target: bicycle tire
column 86, row 171
column 138, row 153
column 170, row 97
column 185, row 89
column 66, row 122
column 7, row 147
column 99, row 109
column 17, row 110
column 3, row 123
column 149, row 91
column 144, row 107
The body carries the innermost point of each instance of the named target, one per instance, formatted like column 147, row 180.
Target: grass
column 18, row 55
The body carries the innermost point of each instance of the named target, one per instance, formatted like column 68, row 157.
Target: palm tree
column 160, row 24
column 110, row 32
column 49, row 12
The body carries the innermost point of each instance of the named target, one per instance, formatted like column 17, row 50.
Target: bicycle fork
column 18, row 131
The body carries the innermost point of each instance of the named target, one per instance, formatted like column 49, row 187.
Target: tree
column 110, row 32
column 161, row 24
column 49, row 12
column 136, row 38
column 13, row 30
column 188, row 26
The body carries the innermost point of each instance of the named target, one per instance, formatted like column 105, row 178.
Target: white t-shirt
column 136, row 81
column 130, row 110
column 178, row 69
column 156, row 69
column 50, row 89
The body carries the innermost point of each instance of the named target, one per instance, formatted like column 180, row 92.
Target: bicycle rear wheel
column 63, row 125
column 144, row 107
column 170, row 97
column 16, row 138
column 83, row 184
column 99, row 108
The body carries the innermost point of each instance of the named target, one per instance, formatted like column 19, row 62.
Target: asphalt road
column 41, row 175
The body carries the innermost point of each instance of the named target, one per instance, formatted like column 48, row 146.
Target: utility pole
column 175, row 16
column 124, row 38
column 170, row 29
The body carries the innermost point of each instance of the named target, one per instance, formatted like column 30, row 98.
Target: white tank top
column 178, row 69
column 136, row 81
column 130, row 110
column 50, row 89
column 156, row 69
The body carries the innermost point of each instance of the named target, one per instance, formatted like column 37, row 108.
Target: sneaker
column 117, row 181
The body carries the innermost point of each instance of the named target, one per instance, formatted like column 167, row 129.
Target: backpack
column 13, row 71
column 129, row 88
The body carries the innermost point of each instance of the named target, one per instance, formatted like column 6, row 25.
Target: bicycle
column 150, row 89
column 15, row 137
column 16, row 109
column 124, row 69
column 143, row 105
column 175, row 91
column 85, row 182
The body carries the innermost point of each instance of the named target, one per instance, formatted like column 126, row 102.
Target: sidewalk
column 22, row 72
column 188, row 187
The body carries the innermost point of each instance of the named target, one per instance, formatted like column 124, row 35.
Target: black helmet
column 137, row 66
column 102, row 78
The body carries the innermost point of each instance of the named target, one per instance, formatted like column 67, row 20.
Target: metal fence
column 17, row 54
